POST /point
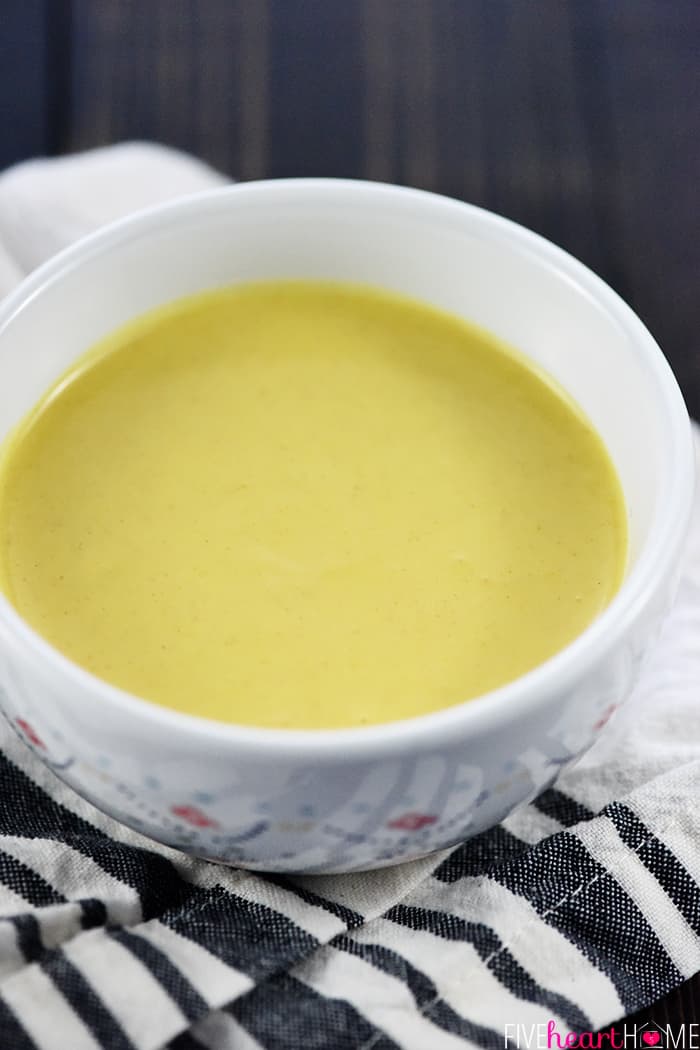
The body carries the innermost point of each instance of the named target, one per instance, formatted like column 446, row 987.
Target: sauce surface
column 307, row 505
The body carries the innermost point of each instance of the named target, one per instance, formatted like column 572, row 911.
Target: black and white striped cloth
column 580, row 909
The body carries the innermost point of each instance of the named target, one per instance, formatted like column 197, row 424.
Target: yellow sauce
column 308, row 505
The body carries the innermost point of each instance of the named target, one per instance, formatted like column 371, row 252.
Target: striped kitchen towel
column 576, row 911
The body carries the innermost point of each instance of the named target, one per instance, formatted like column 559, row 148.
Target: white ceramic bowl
column 358, row 798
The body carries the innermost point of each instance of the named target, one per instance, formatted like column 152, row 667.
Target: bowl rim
column 524, row 694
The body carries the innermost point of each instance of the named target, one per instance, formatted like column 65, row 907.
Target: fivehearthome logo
column 653, row 1035
column 649, row 1036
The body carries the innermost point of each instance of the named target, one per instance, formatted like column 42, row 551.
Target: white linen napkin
column 47, row 204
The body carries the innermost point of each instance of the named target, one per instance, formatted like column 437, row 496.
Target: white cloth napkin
column 529, row 923
column 47, row 204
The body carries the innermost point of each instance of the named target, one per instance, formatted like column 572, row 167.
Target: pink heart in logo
column 651, row 1038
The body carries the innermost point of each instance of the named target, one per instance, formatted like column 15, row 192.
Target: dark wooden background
column 578, row 118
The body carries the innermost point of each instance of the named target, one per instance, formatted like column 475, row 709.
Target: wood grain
column 24, row 80
column 579, row 118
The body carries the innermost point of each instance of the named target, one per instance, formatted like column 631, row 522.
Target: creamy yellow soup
column 307, row 505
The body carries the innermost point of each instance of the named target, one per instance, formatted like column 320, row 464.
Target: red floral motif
column 412, row 821
column 194, row 816
column 30, row 734
column 605, row 717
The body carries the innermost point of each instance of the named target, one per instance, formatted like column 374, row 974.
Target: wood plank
column 316, row 89
column 24, row 129
column 511, row 137
column 193, row 76
column 651, row 52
